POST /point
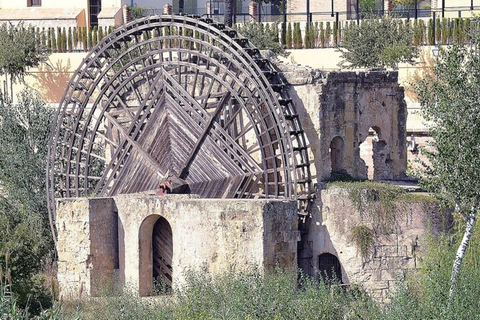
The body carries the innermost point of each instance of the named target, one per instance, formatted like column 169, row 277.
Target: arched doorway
column 329, row 267
column 162, row 253
column 336, row 154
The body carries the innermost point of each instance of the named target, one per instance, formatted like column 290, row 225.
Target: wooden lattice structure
column 180, row 102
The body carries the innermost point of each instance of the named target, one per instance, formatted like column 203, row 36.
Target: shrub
column 289, row 36
column 297, row 36
column 362, row 236
column 240, row 295
column 322, row 35
column 262, row 38
column 438, row 31
column 431, row 32
column 328, row 33
column 70, row 40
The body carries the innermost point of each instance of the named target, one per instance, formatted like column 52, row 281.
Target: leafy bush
column 262, row 38
column 377, row 43
column 25, row 240
column 247, row 295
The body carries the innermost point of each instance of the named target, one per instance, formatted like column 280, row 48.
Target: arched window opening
column 329, row 267
column 336, row 154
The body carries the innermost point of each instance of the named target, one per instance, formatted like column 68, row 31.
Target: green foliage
column 431, row 32
column 241, row 295
column 450, row 98
column 367, row 5
column 24, row 133
column 19, row 51
column 322, row 35
column 137, row 12
column 90, row 39
column 75, row 38
column 363, row 238
column 444, row 31
column 309, row 36
column 289, row 37
column 100, row 34
column 70, row 40
column 335, row 34
column 438, row 31
column 328, row 33
column 425, row 294
column 94, row 36
column 262, row 38
column 44, row 39
column 49, row 40
column 376, row 202
column 297, row 36
column 83, row 31
column 377, row 43
column 275, row 32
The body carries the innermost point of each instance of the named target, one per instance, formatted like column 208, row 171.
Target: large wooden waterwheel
column 183, row 100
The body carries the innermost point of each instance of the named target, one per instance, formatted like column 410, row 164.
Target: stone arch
column 337, row 147
column 373, row 152
column 156, row 253
column 329, row 267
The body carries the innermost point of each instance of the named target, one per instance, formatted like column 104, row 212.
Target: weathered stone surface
column 104, row 242
column 392, row 255
column 355, row 121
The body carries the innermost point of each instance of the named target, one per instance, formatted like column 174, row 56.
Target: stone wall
column 395, row 248
column 339, row 111
column 215, row 235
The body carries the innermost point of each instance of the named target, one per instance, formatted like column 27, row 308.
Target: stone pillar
column 87, row 246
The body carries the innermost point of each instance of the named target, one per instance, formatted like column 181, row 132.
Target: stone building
column 264, row 144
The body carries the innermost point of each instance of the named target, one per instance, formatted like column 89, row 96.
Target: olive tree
column 25, row 236
column 377, row 43
column 19, row 51
column 450, row 99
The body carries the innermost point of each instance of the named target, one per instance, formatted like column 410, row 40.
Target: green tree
column 444, row 31
column 297, row 36
column 90, row 38
column 289, row 37
column 377, row 43
column 328, row 33
column 25, row 240
column 431, row 32
column 438, row 31
column 450, row 100
column 321, row 35
column 19, row 51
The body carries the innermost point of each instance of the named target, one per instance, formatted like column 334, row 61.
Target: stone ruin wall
column 348, row 105
column 351, row 105
column 106, row 242
column 395, row 248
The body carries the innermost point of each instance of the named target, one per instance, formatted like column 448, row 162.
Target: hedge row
column 315, row 35
column 70, row 39
column 426, row 32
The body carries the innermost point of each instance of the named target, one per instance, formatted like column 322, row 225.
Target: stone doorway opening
column 162, row 254
column 337, row 147
column 372, row 152
column 329, row 267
